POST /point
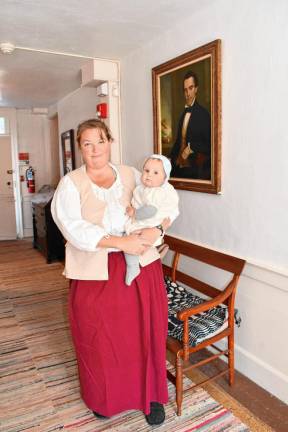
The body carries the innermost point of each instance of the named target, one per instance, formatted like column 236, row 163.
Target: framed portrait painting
column 68, row 153
column 187, row 117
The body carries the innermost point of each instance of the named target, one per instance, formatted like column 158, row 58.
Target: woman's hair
column 93, row 124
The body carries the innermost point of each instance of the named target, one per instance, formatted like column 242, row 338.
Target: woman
column 119, row 333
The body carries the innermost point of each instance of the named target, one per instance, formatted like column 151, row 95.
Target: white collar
column 117, row 176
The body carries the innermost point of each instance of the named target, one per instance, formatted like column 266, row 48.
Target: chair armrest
column 183, row 315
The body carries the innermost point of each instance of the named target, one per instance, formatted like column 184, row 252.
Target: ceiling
column 93, row 28
column 29, row 79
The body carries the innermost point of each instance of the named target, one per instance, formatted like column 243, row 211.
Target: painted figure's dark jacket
column 199, row 136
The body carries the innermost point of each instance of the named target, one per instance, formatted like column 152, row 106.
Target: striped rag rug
column 200, row 412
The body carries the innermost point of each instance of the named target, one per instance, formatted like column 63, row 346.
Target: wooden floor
column 34, row 270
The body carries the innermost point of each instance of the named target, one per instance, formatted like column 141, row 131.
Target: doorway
column 8, row 228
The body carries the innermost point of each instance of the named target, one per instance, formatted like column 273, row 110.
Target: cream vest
column 94, row 265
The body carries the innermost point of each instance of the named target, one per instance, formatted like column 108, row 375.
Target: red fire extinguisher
column 30, row 178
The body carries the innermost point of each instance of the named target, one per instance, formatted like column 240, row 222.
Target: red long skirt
column 119, row 333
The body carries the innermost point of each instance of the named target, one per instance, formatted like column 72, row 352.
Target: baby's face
column 153, row 174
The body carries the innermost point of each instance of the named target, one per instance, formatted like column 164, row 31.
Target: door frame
column 11, row 114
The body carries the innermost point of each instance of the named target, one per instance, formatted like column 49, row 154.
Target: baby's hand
column 130, row 211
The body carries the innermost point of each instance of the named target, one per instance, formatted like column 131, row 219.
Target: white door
column 7, row 199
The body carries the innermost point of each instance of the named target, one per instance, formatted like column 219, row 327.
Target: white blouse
column 66, row 212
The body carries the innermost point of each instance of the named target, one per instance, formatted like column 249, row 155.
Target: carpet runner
column 39, row 388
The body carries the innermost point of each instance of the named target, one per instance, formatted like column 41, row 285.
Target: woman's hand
column 186, row 152
column 134, row 244
column 152, row 234
column 166, row 223
column 148, row 234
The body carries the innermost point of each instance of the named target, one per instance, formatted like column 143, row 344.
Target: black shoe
column 99, row 415
column 157, row 414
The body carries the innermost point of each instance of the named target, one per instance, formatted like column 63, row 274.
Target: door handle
column 10, row 171
column 8, row 183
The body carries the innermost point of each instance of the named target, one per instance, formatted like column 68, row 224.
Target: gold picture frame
column 187, row 117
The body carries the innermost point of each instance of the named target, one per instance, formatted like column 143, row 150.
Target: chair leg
column 179, row 386
column 231, row 359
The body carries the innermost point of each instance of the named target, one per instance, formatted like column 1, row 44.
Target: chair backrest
column 203, row 254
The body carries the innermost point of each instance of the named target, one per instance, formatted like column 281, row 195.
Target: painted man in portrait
column 191, row 152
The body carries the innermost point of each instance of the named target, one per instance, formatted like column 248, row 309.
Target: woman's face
column 95, row 148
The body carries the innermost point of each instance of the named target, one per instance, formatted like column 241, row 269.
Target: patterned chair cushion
column 201, row 326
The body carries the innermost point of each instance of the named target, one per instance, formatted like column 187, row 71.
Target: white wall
column 81, row 105
column 72, row 110
column 249, row 218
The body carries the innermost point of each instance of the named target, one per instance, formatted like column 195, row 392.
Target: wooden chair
column 182, row 350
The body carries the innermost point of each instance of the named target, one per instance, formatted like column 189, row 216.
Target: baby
column 153, row 200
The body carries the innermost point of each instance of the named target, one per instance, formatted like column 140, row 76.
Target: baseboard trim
column 28, row 232
column 262, row 373
column 267, row 377
column 7, row 238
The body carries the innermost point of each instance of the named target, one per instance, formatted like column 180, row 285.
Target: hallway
column 39, row 388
